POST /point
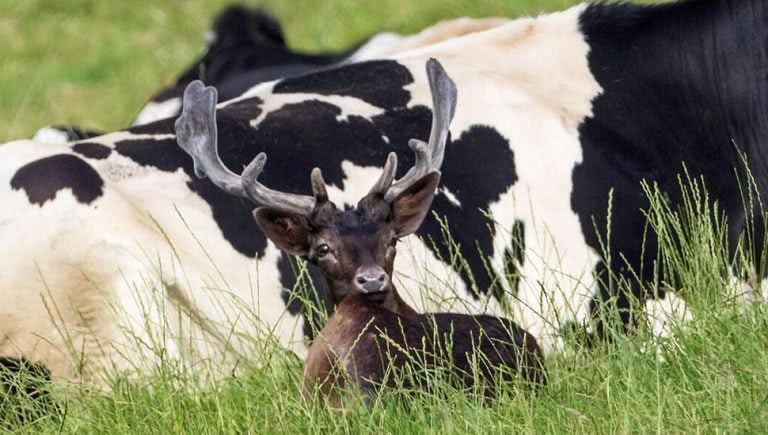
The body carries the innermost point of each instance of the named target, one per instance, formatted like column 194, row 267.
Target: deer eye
column 323, row 250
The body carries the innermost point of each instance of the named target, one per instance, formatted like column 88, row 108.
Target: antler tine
column 318, row 186
column 196, row 134
column 387, row 176
column 429, row 156
column 264, row 196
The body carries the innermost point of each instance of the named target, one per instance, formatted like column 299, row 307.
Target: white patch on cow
column 51, row 136
column 358, row 180
column 764, row 291
column 157, row 110
column 751, row 290
column 430, row 285
column 379, row 45
column 743, row 291
column 347, row 105
column 110, row 139
column 664, row 315
column 450, row 196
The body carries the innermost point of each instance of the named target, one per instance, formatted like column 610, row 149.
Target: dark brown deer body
column 372, row 330
column 363, row 341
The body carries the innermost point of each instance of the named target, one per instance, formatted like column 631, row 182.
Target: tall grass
column 708, row 375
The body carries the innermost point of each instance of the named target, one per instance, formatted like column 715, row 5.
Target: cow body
column 554, row 113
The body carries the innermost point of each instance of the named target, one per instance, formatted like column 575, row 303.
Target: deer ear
column 288, row 231
column 411, row 206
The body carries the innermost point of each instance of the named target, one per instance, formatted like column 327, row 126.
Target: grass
column 712, row 379
column 94, row 63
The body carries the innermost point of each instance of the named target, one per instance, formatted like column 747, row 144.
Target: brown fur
column 364, row 340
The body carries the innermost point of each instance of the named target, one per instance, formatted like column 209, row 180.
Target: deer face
column 354, row 248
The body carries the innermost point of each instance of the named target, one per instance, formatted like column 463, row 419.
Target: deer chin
column 377, row 297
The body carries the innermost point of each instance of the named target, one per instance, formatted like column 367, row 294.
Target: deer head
column 355, row 248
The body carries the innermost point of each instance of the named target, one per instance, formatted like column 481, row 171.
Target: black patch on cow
column 682, row 82
column 304, row 293
column 42, row 179
column 92, row 150
column 245, row 110
column 380, row 83
column 163, row 126
column 514, row 257
column 158, row 153
column 478, row 168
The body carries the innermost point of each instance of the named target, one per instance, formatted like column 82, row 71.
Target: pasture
column 94, row 63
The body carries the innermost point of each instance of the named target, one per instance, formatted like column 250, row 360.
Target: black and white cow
column 245, row 47
column 113, row 244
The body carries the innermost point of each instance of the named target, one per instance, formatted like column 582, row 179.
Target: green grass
column 713, row 379
column 94, row 63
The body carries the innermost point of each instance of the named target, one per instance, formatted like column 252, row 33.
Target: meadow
column 95, row 62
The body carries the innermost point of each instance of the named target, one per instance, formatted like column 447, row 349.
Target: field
column 94, row 62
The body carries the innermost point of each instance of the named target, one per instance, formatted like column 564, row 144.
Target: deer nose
column 371, row 280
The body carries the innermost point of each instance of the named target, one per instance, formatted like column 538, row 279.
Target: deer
column 372, row 330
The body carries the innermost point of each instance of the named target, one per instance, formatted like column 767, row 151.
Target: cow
column 246, row 46
column 115, row 247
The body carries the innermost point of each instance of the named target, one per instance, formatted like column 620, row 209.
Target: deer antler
column 196, row 134
column 429, row 156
